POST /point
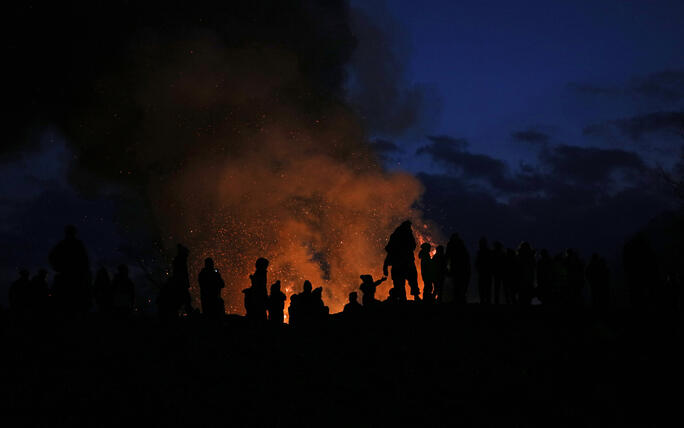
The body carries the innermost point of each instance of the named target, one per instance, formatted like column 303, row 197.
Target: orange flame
column 317, row 215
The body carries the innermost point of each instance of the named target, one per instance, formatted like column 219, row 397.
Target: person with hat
column 368, row 288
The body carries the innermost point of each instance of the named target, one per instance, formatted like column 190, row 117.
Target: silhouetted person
column 319, row 311
column 69, row 259
column 458, row 265
column 293, row 310
column 181, row 277
column 673, row 284
column 307, row 307
column 300, row 305
column 276, row 304
column 575, row 269
column 484, row 266
column 598, row 277
column 400, row 249
column 211, row 284
column 498, row 269
column 353, row 308
column 39, row 293
column 561, row 285
column 427, row 271
column 19, row 294
column 256, row 296
column 641, row 270
column 392, row 297
column 124, row 290
column 545, row 285
column 439, row 269
column 104, row 293
column 512, row 276
column 368, row 288
column 526, row 265
column 175, row 293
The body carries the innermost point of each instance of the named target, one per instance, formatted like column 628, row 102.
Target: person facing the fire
column 439, row 269
column 427, row 271
column 256, row 296
column 276, row 304
column 69, row 259
column 353, row 308
column 400, row 249
column 368, row 288
column 211, row 284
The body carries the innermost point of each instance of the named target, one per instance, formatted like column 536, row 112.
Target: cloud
column 385, row 146
column 227, row 123
column 636, row 127
column 531, row 136
column 451, row 152
column 564, row 215
column 590, row 165
column 561, row 200
column 379, row 88
column 590, row 89
column 665, row 87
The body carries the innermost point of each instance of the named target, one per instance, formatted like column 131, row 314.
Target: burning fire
column 315, row 216
column 264, row 164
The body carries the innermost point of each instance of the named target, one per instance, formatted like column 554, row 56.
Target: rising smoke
column 227, row 123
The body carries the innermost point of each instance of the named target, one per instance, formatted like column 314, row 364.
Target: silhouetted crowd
column 522, row 276
column 73, row 290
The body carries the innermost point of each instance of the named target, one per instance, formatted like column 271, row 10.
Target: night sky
column 550, row 116
column 534, row 120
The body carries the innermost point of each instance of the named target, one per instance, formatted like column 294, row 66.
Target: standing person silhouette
column 458, row 267
column 511, row 282
column 211, row 284
column 483, row 264
column 498, row 269
column 124, row 291
column 104, row 294
column 175, row 293
column 181, row 279
column 598, row 277
column 71, row 288
column 40, row 293
column 427, row 271
column 400, row 255
column 256, row 296
column 276, row 304
column 300, row 305
column 560, row 287
column 526, row 267
column 352, row 309
column 439, row 269
column 545, row 286
column 641, row 270
column 319, row 311
column 19, row 294
column 575, row 268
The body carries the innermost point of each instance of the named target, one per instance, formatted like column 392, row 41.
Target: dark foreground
column 447, row 366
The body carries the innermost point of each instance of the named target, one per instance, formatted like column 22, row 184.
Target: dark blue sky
column 501, row 66
column 538, row 120
column 553, row 116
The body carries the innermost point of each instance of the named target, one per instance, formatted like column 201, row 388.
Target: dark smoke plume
column 224, row 122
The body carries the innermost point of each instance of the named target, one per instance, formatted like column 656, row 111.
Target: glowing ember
column 316, row 216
